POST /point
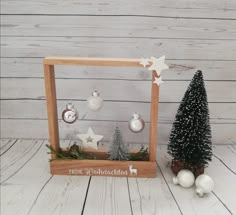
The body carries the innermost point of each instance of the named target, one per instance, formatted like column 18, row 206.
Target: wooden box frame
column 97, row 167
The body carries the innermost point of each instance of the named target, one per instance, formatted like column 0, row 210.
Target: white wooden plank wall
column 192, row 34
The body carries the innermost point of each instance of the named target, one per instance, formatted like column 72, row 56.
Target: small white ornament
column 204, row 184
column 144, row 62
column 95, row 101
column 158, row 65
column 158, row 81
column 136, row 123
column 69, row 115
column 184, row 178
column 90, row 140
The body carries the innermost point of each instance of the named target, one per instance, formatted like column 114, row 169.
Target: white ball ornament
column 184, row 178
column 204, row 184
column 95, row 101
column 136, row 123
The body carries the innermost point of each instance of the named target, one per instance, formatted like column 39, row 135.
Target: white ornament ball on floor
column 136, row 123
column 184, row 178
column 204, row 184
column 95, row 101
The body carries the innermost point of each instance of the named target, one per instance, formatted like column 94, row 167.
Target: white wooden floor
column 27, row 188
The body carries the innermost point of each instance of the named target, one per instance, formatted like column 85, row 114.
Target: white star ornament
column 144, row 62
column 158, row 81
column 158, row 65
column 90, row 140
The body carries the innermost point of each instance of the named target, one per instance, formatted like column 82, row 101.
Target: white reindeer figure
column 132, row 171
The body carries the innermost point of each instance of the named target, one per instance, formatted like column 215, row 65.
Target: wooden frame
column 97, row 167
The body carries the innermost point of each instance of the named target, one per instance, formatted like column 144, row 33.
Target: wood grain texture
column 225, row 183
column 50, row 89
column 139, row 91
column 6, row 144
column 179, row 70
column 227, row 155
column 92, row 61
column 63, row 195
column 35, row 109
column 151, row 196
column 201, row 9
column 118, row 47
column 38, row 128
column 110, row 168
column 187, row 199
column 12, row 162
column 192, row 34
column 108, row 195
column 27, row 184
column 153, row 117
column 33, row 187
column 117, row 26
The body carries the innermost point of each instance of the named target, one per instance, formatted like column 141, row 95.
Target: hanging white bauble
column 204, row 184
column 69, row 115
column 185, row 178
column 95, row 101
column 136, row 123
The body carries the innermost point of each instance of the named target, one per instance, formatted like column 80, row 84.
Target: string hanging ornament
column 136, row 123
column 70, row 114
column 95, row 101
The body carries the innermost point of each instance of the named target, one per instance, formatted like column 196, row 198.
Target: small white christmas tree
column 118, row 150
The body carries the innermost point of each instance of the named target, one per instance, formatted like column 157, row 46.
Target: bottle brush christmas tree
column 190, row 138
column 118, row 150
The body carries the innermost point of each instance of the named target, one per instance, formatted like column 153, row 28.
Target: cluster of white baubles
column 204, row 183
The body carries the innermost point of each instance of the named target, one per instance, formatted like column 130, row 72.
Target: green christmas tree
column 190, row 138
column 118, row 150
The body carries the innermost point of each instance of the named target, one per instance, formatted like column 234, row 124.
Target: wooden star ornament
column 90, row 140
column 158, row 65
column 158, row 81
column 144, row 62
